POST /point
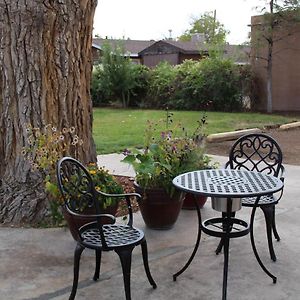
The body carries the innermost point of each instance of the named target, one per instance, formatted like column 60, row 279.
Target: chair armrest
column 91, row 216
column 120, row 195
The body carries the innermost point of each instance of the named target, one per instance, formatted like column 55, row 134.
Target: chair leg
column 98, row 263
column 125, row 258
column 268, row 212
column 77, row 255
column 146, row 264
column 276, row 235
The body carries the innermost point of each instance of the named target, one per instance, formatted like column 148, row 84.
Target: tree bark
column 45, row 73
column 270, row 61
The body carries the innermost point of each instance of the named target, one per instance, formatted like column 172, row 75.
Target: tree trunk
column 45, row 72
column 270, row 61
column 269, row 78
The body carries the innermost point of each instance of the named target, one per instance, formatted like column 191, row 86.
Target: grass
column 117, row 129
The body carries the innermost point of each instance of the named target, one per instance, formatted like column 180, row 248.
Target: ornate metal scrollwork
column 256, row 152
column 76, row 185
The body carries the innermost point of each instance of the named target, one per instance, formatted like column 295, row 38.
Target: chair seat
column 116, row 235
column 264, row 200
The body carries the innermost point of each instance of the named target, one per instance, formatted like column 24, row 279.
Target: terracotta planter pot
column 74, row 222
column 188, row 202
column 158, row 210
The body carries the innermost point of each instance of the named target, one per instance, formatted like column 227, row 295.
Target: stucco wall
column 286, row 67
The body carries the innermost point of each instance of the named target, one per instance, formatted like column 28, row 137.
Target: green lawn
column 117, row 129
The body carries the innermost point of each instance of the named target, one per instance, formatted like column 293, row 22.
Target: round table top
column 228, row 183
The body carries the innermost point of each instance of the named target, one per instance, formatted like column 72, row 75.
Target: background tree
column 277, row 23
column 207, row 24
column 116, row 73
column 45, row 69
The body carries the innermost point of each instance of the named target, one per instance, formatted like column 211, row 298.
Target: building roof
column 188, row 46
column 136, row 46
column 238, row 53
column 131, row 46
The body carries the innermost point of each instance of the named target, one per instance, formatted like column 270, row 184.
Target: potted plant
column 44, row 148
column 164, row 156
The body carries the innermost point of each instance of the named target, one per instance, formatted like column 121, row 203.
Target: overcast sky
column 152, row 19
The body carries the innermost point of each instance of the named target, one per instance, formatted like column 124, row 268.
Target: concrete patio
column 37, row 264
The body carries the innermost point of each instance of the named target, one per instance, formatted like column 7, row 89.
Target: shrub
column 221, row 85
column 140, row 77
column 101, row 96
column 160, row 85
column 116, row 78
column 212, row 83
column 188, row 87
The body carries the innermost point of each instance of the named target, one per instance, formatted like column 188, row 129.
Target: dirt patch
column 288, row 140
column 127, row 183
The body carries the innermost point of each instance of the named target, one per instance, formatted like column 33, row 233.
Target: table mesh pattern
column 115, row 236
column 227, row 182
column 264, row 200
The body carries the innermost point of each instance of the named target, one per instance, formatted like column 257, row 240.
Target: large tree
column 277, row 23
column 208, row 25
column 45, row 70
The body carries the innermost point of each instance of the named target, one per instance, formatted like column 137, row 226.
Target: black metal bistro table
column 227, row 186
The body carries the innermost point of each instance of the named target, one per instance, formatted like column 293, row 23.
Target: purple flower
column 126, row 152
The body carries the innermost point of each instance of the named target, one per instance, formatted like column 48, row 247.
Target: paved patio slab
column 37, row 264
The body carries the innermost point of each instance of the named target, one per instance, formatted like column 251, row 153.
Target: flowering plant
column 45, row 147
column 171, row 153
column 105, row 183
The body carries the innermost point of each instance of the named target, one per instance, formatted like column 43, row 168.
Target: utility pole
column 214, row 24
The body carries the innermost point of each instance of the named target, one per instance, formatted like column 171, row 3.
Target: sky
column 146, row 20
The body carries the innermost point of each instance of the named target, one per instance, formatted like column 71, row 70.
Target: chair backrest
column 76, row 186
column 256, row 152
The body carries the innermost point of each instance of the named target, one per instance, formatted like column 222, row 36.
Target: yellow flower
column 93, row 172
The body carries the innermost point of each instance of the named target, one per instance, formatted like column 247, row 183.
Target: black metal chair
column 259, row 152
column 80, row 195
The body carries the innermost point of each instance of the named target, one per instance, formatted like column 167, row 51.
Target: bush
column 100, row 95
column 221, row 85
column 211, row 83
column 140, row 89
column 188, row 87
column 119, row 80
column 160, row 85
